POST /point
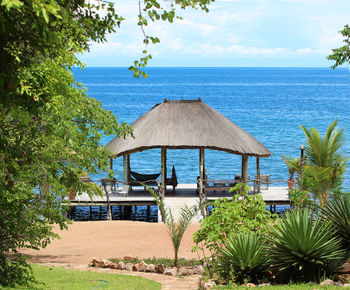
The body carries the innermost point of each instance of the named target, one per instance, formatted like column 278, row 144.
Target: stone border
column 150, row 268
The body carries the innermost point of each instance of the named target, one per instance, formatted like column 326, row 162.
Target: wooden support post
column 105, row 182
column 111, row 163
column 128, row 167
column 90, row 213
column 109, row 210
column 258, row 173
column 244, row 168
column 100, row 213
column 201, row 164
column 202, row 192
column 135, row 211
column 125, row 169
column 127, row 211
column 301, row 165
column 163, row 170
column 148, row 212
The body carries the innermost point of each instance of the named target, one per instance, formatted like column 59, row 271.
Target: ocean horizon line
column 226, row 67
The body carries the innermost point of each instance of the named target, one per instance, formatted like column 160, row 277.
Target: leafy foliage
column 304, row 247
column 243, row 258
column 326, row 163
column 244, row 213
column 17, row 271
column 301, row 199
column 50, row 130
column 341, row 55
column 337, row 212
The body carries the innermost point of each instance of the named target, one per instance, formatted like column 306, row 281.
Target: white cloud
column 204, row 29
column 260, row 29
column 304, row 50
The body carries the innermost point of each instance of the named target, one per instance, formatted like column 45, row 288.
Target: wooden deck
column 185, row 194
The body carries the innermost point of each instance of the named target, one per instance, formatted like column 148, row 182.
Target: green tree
column 326, row 163
column 50, row 129
column 341, row 55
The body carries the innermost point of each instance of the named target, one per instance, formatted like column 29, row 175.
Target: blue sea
column 269, row 103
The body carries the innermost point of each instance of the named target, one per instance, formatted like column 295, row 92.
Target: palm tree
column 325, row 161
column 178, row 228
column 293, row 165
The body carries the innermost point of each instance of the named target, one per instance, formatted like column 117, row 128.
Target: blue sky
column 255, row 33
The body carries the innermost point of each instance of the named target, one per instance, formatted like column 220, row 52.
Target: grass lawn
column 59, row 278
column 307, row 286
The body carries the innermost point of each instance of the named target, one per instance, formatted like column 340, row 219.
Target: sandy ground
column 111, row 239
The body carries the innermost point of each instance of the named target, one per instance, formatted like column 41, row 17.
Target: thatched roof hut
column 187, row 124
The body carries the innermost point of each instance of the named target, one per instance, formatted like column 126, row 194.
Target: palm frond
column 325, row 156
column 178, row 228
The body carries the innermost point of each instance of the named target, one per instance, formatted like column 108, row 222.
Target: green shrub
column 16, row 271
column 305, row 247
column 337, row 212
column 301, row 199
column 244, row 213
column 243, row 258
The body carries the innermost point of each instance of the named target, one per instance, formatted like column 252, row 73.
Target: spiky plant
column 178, row 228
column 304, row 246
column 243, row 256
column 337, row 212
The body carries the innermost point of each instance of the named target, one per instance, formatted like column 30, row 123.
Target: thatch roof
column 187, row 124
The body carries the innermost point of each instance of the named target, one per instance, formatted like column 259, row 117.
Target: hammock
column 144, row 177
column 149, row 179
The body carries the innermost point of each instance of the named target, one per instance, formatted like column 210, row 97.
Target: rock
column 143, row 266
column 150, row 268
column 327, row 282
column 129, row 266
column 249, row 285
column 137, row 267
column 198, row 269
column 209, row 284
column 95, row 262
column 140, row 267
column 160, row 268
column 346, row 285
column 264, row 284
column 114, row 266
column 106, row 263
column 128, row 257
column 182, row 271
column 190, row 271
column 121, row 265
column 170, row 271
